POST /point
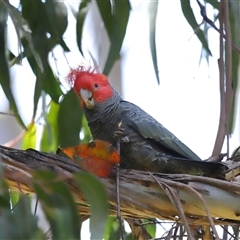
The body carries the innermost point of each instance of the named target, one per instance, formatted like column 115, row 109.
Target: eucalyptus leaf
column 105, row 9
column 49, row 141
column 30, row 137
column 12, row 225
column 21, row 24
column 120, row 19
column 189, row 15
column 150, row 226
column 4, row 68
column 153, row 6
column 69, row 120
column 96, row 196
column 81, row 15
column 57, row 15
column 112, row 229
column 58, row 205
column 234, row 12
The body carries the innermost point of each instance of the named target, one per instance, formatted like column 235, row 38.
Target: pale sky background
column 187, row 99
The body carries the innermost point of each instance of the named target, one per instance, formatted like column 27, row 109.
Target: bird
column 145, row 144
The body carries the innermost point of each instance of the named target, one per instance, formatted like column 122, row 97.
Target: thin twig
column 176, row 202
column 15, row 140
column 7, row 114
column 118, row 192
column 206, row 209
column 118, row 203
column 211, row 23
column 203, row 202
column 36, row 205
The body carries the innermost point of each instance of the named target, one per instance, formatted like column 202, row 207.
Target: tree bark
column 196, row 199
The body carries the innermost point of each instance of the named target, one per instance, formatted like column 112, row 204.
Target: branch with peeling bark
column 204, row 201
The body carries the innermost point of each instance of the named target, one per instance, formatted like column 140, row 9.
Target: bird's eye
column 95, row 85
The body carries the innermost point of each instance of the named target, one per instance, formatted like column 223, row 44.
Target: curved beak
column 87, row 97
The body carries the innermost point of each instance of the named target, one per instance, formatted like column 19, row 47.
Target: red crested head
column 89, row 86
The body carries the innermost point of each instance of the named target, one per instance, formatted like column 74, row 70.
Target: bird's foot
column 120, row 134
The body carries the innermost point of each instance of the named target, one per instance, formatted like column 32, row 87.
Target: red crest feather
column 77, row 72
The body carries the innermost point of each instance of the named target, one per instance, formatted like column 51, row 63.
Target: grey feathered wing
column 182, row 157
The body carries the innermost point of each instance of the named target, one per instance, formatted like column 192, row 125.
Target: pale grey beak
column 87, row 97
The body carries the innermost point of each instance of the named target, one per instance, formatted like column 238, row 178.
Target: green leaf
column 50, row 84
column 120, row 18
column 20, row 23
column 58, row 205
column 153, row 6
column 112, row 229
column 12, row 225
column 86, row 131
column 57, row 17
column 4, row 69
column 49, row 141
column 150, row 227
column 106, row 14
column 235, row 77
column 234, row 13
column 39, row 22
column 81, row 15
column 37, row 93
column 4, row 196
column 69, row 120
column 14, row 197
column 235, row 153
column 45, row 81
column 4, row 193
column 189, row 15
column 96, row 196
column 30, row 137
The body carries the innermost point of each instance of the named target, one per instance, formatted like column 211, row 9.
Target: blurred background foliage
column 40, row 27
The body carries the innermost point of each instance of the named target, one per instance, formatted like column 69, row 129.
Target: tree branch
column 221, row 133
column 141, row 195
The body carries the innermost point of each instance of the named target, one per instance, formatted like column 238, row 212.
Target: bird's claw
column 119, row 134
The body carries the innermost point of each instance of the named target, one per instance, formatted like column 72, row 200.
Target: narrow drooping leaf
column 69, row 120
column 58, row 205
column 234, row 13
column 106, row 14
column 4, row 192
column 150, row 227
column 235, row 77
column 37, row 93
column 50, row 84
column 12, row 225
column 49, row 141
column 4, row 68
column 189, row 15
column 41, row 27
column 153, row 6
column 96, row 196
column 87, row 136
column 81, row 15
column 30, row 137
column 57, row 15
column 22, row 24
column 14, row 197
column 121, row 13
column 112, row 230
